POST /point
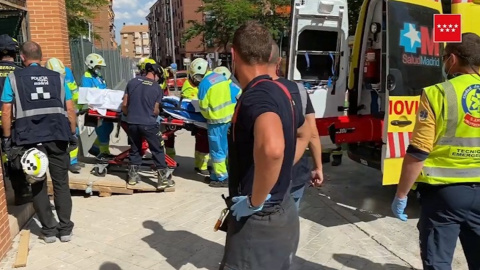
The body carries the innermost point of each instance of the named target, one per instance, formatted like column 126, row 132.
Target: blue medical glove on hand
column 398, row 208
column 242, row 207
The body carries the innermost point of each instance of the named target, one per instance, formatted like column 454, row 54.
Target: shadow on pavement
column 109, row 266
column 359, row 263
column 358, row 190
column 182, row 247
column 186, row 170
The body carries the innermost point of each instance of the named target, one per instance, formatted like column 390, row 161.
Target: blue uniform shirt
column 94, row 81
column 142, row 93
column 7, row 95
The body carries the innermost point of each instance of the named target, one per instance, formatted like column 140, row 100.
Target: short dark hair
column 468, row 51
column 275, row 54
column 253, row 42
column 31, row 50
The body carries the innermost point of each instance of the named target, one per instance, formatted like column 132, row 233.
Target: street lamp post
column 172, row 36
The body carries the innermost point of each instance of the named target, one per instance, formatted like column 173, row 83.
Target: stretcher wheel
column 99, row 171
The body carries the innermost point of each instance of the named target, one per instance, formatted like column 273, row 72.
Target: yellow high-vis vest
column 455, row 157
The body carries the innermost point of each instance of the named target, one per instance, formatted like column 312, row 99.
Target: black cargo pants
column 59, row 160
column 264, row 241
column 447, row 213
column 155, row 144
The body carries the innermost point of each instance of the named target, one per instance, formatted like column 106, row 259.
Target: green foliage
column 354, row 7
column 224, row 17
column 78, row 14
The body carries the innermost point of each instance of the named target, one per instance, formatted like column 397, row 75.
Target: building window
column 126, row 50
column 138, row 50
column 145, row 35
column 126, row 42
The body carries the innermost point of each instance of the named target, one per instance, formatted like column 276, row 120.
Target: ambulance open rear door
column 413, row 62
column 318, row 54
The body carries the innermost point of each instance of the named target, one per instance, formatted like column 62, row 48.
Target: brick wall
column 48, row 27
column 5, row 240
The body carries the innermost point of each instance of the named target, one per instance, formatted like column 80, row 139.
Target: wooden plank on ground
column 22, row 253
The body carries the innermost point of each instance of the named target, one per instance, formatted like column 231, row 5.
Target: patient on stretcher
column 189, row 109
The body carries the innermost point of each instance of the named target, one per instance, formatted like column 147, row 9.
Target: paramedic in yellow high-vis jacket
column 443, row 160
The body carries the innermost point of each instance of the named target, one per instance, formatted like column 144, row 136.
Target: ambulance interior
column 315, row 68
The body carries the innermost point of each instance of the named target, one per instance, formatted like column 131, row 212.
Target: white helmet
column 141, row 61
column 197, row 70
column 224, row 71
column 55, row 65
column 94, row 60
column 34, row 163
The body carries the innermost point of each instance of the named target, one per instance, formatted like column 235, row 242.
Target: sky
column 130, row 12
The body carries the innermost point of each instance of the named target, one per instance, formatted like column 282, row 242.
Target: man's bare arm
column 156, row 110
column 7, row 119
column 72, row 115
column 268, row 153
column 303, row 138
column 125, row 104
column 314, row 145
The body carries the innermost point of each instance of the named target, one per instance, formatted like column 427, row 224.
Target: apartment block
column 135, row 40
column 103, row 26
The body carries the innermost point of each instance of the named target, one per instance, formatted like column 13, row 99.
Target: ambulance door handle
column 402, row 123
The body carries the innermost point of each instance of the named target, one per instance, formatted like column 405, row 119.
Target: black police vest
column 40, row 110
column 6, row 67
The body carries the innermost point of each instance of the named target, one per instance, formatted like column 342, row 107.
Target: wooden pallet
column 113, row 183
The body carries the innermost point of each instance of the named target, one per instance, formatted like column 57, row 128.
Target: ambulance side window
column 414, row 59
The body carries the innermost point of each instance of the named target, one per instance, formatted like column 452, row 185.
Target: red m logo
column 428, row 46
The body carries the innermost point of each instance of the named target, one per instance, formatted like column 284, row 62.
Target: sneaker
column 74, row 168
column 167, row 186
column 219, row 184
column 207, row 180
column 133, row 176
column 49, row 239
column 21, row 200
column 81, row 164
column 66, row 238
column 94, row 152
column 205, row 173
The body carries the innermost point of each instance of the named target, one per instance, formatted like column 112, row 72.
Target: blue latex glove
column 241, row 207
column 398, row 208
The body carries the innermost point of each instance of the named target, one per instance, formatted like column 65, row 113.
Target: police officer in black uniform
column 263, row 224
column 8, row 53
column 141, row 105
column 44, row 118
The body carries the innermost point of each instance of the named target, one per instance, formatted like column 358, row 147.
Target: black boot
column 325, row 157
column 133, row 176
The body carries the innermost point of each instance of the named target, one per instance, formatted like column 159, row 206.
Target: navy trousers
column 449, row 212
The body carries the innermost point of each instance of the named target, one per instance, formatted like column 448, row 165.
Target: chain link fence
column 117, row 73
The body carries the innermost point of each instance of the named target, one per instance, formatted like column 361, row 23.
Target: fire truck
column 392, row 58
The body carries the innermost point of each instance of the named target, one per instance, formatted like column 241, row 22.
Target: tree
column 354, row 7
column 79, row 12
column 222, row 18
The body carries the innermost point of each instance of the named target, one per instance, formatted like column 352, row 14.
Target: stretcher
column 176, row 114
column 100, row 169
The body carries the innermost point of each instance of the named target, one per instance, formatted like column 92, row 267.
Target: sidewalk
column 174, row 231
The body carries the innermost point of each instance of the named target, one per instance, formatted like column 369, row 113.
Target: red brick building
column 103, row 26
column 159, row 25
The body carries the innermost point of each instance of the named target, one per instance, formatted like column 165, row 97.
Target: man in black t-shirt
column 263, row 225
column 141, row 105
column 302, row 174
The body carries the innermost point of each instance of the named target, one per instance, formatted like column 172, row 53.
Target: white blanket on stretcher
column 101, row 100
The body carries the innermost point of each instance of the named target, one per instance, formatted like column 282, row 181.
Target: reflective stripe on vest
column 20, row 113
column 455, row 157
